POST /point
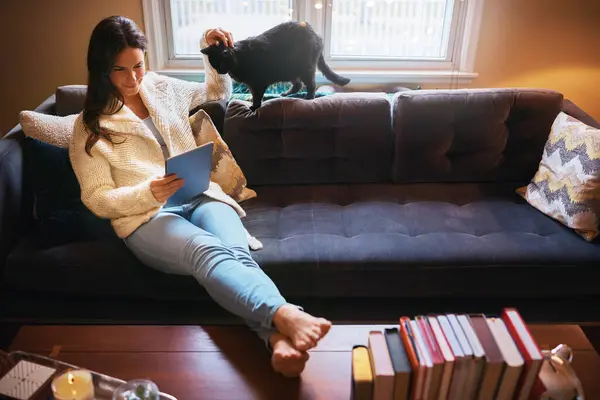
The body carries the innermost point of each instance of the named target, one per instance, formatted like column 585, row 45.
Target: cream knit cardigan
column 115, row 181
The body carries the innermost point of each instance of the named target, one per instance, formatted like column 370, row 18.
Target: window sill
column 440, row 77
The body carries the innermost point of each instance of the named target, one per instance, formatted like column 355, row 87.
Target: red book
column 424, row 359
column 529, row 349
column 434, row 349
column 447, row 356
column 539, row 388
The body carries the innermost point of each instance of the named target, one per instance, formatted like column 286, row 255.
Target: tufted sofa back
column 471, row 135
column 343, row 138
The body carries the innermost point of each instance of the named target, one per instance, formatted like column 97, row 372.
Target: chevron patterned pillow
column 566, row 186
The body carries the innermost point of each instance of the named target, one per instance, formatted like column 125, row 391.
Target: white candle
column 73, row 385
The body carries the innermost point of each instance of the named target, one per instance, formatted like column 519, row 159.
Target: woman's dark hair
column 109, row 38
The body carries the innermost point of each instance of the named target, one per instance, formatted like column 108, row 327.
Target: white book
column 531, row 348
column 459, row 357
column 446, row 354
column 512, row 356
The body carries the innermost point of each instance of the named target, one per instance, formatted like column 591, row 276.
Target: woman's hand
column 217, row 34
column 165, row 187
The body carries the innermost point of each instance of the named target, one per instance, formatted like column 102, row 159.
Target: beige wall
column 43, row 44
column 524, row 43
column 542, row 43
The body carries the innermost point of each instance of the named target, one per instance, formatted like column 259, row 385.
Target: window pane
column 391, row 28
column 243, row 18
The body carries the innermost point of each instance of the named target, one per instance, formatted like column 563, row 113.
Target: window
column 423, row 41
column 243, row 18
column 380, row 29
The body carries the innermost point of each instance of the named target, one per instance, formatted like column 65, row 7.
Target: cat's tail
column 329, row 74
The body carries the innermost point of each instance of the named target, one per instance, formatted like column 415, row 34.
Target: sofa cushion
column 100, row 267
column 61, row 216
column 70, row 99
column 567, row 185
column 106, row 268
column 471, row 135
column 432, row 239
column 353, row 241
column 342, row 138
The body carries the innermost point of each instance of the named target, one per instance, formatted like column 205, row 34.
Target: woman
column 131, row 121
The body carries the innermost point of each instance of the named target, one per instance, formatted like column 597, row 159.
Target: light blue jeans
column 206, row 239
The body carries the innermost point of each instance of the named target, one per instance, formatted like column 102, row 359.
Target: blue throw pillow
column 61, row 216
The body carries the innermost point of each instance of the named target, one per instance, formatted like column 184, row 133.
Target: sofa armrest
column 11, row 170
column 570, row 108
column 16, row 200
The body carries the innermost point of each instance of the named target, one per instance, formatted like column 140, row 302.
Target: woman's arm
column 218, row 86
column 98, row 190
column 214, row 87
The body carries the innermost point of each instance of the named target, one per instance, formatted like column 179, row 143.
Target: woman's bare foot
column 303, row 329
column 286, row 359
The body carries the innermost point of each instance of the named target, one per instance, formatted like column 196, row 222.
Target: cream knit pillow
column 46, row 128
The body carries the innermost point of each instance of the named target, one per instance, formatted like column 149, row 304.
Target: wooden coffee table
column 229, row 362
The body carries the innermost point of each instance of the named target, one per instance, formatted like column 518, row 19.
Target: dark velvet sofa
column 360, row 195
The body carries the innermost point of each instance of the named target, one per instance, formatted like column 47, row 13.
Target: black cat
column 291, row 51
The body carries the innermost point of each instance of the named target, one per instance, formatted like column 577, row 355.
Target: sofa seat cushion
column 101, row 267
column 420, row 238
column 352, row 241
column 107, row 269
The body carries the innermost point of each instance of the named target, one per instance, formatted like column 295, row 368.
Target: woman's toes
column 286, row 359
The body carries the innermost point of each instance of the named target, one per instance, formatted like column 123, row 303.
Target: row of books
column 449, row 356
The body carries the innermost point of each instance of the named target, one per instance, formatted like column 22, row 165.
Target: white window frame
column 457, row 69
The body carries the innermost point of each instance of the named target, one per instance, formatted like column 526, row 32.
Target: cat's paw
column 254, row 108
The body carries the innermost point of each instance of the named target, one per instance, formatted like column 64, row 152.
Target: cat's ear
column 206, row 50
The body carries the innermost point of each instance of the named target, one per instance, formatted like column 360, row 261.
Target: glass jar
column 137, row 389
